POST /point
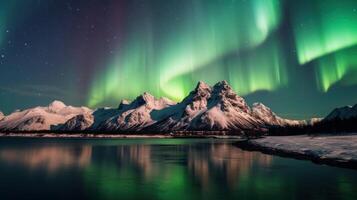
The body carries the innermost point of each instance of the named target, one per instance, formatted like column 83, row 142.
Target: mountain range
column 216, row 108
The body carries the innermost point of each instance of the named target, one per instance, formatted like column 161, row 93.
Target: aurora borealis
column 298, row 57
column 324, row 33
column 204, row 32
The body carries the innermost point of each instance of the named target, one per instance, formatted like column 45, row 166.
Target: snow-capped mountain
column 135, row 115
column 41, row 118
column 266, row 115
column 210, row 108
column 205, row 108
column 342, row 113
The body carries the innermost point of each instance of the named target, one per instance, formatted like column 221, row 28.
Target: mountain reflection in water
column 161, row 169
column 51, row 158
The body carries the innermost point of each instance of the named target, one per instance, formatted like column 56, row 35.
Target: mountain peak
column 202, row 86
column 145, row 98
column 223, row 82
column 57, row 105
column 202, row 91
column 260, row 105
column 123, row 103
column 261, row 110
column 222, row 85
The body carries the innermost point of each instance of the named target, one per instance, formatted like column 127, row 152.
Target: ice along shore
column 336, row 150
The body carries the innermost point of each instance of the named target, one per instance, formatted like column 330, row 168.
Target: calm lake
column 161, row 169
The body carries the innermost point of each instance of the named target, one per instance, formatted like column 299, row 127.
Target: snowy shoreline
column 337, row 150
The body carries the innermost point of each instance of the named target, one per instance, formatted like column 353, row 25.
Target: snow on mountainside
column 77, row 123
column 207, row 108
column 1, row 116
column 40, row 118
column 179, row 116
column 135, row 115
column 225, row 110
column 314, row 121
column 266, row 115
column 343, row 113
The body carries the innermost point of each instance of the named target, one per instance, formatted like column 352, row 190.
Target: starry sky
column 297, row 57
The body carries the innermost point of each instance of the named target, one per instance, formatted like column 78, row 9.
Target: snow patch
column 2, row 116
column 324, row 147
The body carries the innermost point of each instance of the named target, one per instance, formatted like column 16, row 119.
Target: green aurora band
column 234, row 40
column 208, row 32
column 328, row 29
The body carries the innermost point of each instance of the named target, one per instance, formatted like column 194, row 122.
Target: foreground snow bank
column 340, row 149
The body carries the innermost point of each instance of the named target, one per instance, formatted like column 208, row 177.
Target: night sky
column 297, row 57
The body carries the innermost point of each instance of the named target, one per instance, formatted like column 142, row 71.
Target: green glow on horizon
column 165, row 63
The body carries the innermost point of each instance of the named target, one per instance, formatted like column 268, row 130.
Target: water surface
column 161, row 169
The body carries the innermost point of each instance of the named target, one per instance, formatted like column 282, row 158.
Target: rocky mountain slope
column 269, row 118
column 205, row 108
